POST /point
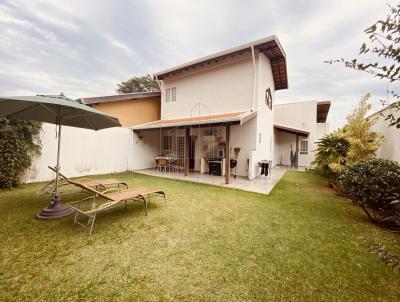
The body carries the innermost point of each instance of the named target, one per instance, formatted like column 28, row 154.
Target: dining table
column 167, row 158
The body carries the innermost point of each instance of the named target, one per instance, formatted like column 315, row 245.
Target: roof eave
column 220, row 53
column 119, row 97
column 242, row 119
column 291, row 129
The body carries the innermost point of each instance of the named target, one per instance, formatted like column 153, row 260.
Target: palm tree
column 331, row 153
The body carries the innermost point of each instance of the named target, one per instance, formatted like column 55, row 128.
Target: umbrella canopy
column 56, row 109
column 60, row 110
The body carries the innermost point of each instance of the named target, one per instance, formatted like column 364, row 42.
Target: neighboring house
column 391, row 145
column 224, row 102
column 309, row 118
column 130, row 108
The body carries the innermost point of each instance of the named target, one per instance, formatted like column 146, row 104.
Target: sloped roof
column 119, row 97
column 291, row 129
column 270, row 46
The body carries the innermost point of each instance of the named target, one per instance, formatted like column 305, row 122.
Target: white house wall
column 264, row 133
column 284, row 142
column 83, row 152
column 391, row 146
column 322, row 129
column 301, row 115
column 145, row 149
column 243, row 137
column 221, row 89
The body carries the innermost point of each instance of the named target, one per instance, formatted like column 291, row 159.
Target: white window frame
column 180, row 147
column 173, row 94
column 167, row 142
column 304, row 147
column 168, row 95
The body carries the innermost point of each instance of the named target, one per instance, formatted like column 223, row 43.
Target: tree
column 138, row 84
column 384, row 47
column 363, row 142
column 19, row 142
column 331, row 153
column 352, row 143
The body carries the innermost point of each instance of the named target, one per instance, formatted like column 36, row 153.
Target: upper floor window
column 170, row 94
column 173, row 94
column 268, row 98
column 303, row 147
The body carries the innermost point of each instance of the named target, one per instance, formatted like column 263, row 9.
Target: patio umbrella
column 59, row 110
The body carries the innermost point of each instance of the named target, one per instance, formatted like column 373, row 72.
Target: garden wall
column 83, row 152
column 390, row 148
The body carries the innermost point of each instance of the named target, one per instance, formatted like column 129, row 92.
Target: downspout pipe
column 255, row 77
column 161, row 90
column 158, row 82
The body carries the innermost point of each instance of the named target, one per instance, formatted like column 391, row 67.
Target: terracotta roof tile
column 203, row 118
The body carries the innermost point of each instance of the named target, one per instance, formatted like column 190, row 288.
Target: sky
column 85, row 47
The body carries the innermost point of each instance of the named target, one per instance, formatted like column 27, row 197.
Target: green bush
column 374, row 185
column 19, row 143
column 331, row 153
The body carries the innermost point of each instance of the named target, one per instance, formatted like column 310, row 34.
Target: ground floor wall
column 83, row 152
column 390, row 148
column 285, row 143
column 244, row 137
column 208, row 142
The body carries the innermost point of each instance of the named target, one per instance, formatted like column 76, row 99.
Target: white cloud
column 120, row 45
column 85, row 48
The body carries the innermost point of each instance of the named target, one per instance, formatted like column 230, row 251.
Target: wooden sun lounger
column 101, row 184
column 112, row 199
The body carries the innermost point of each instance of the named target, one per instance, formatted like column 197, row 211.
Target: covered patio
column 214, row 149
column 263, row 185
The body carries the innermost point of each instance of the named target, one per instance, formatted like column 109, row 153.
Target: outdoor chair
column 99, row 184
column 178, row 165
column 162, row 164
column 112, row 198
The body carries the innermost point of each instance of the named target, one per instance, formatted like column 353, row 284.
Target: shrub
column 374, row 185
column 19, row 142
column 331, row 153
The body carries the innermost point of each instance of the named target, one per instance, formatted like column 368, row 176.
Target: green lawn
column 300, row 243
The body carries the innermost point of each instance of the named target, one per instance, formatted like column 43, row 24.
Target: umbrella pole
column 56, row 209
column 58, row 163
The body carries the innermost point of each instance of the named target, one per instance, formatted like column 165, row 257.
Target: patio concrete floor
column 261, row 184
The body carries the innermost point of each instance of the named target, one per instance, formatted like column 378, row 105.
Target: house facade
column 130, row 108
column 209, row 111
column 222, row 107
column 309, row 118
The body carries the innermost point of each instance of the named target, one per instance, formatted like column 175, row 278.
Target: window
column 268, row 98
column 173, row 94
column 303, row 147
column 180, row 147
column 167, row 142
column 170, row 94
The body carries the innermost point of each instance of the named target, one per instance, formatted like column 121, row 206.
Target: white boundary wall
column 390, row 148
column 83, row 152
